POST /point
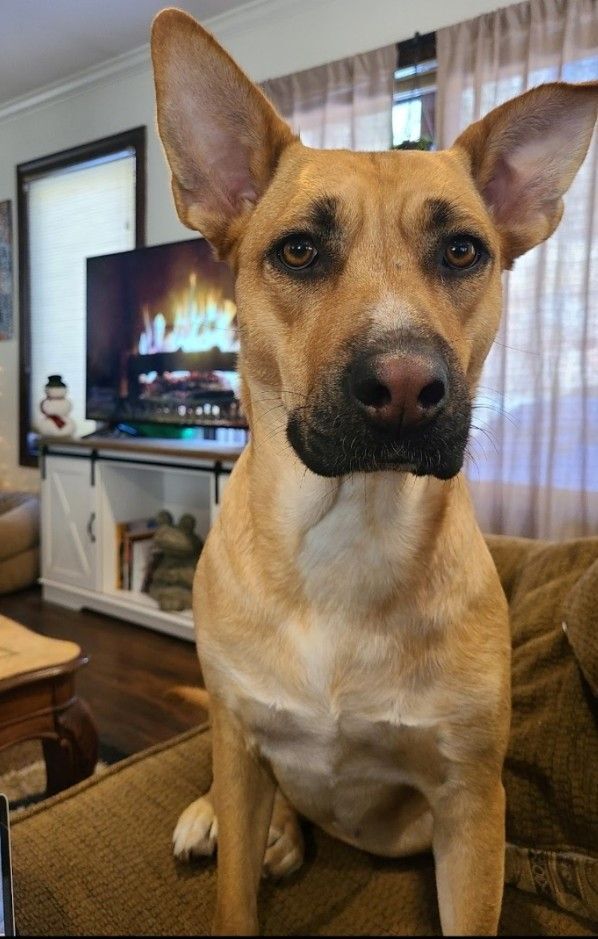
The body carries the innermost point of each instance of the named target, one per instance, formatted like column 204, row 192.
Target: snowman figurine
column 55, row 409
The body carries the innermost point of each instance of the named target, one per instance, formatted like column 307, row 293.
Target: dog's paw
column 284, row 852
column 196, row 831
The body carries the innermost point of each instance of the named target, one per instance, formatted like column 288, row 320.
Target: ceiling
column 43, row 42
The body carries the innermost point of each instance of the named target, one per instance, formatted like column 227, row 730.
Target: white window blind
column 83, row 211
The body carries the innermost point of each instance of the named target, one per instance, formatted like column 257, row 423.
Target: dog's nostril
column 372, row 393
column 431, row 394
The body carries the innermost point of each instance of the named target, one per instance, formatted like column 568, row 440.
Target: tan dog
column 351, row 627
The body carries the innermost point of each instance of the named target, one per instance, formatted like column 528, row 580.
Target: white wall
column 273, row 38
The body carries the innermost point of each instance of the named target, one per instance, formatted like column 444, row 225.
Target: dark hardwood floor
column 130, row 671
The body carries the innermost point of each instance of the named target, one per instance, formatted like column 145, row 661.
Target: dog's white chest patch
column 353, row 555
column 333, row 721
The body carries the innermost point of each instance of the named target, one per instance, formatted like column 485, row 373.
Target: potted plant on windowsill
column 423, row 143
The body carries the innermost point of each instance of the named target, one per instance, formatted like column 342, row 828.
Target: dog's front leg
column 244, row 793
column 469, row 852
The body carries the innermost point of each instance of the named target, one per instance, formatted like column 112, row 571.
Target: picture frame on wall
column 6, row 285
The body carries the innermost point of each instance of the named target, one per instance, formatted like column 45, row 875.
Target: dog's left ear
column 524, row 155
column 222, row 137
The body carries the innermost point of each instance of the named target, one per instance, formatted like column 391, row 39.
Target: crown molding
column 128, row 62
column 223, row 25
column 253, row 13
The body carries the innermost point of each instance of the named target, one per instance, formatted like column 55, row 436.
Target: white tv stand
column 89, row 485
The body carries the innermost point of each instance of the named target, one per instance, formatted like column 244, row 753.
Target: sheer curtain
column 345, row 104
column 534, row 460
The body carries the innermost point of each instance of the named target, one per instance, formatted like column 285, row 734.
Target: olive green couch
column 19, row 540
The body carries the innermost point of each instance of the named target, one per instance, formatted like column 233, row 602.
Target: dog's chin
column 331, row 456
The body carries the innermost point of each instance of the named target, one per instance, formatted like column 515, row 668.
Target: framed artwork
column 5, row 270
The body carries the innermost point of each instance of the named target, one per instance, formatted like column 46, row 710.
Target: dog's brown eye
column 297, row 253
column 461, row 253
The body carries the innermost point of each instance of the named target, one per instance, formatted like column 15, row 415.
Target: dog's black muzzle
column 401, row 402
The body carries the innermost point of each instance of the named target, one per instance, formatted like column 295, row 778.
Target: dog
column 351, row 626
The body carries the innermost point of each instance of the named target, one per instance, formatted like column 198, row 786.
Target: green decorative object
column 424, row 143
column 176, row 548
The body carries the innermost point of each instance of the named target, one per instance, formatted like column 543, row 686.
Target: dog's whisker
column 510, row 348
column 487, row 433
column 503, row 414
column 481, row 453
column 471, row 458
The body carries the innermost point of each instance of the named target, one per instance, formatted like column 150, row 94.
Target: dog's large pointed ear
column 223, row 139
column 524, row 155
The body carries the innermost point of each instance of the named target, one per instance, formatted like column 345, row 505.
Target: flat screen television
column 162, row 339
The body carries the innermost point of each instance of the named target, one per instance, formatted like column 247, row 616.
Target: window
column 414, row 100
column 72, row 205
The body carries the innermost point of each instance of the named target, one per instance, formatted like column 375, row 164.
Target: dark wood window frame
column 415, row 50
column 412, row 53
column 26, row 172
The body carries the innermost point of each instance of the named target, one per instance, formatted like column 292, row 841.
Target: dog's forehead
column 410, row 187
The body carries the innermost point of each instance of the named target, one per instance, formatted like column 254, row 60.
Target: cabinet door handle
column 90, row 527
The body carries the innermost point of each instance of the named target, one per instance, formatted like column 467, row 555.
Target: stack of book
column 134, row 543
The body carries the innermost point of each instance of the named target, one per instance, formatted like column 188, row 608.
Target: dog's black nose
column 399, row 392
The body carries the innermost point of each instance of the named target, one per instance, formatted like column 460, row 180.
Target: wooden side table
column 38, row 701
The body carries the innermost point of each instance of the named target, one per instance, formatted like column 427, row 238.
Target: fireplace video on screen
column 162, row 338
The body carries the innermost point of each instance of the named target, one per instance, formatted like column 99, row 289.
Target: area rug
column 23, row 772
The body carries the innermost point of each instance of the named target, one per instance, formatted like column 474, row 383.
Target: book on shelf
column 141, row 544
column 134, row 540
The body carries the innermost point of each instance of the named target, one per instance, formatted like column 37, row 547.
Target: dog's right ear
column 222, row 137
